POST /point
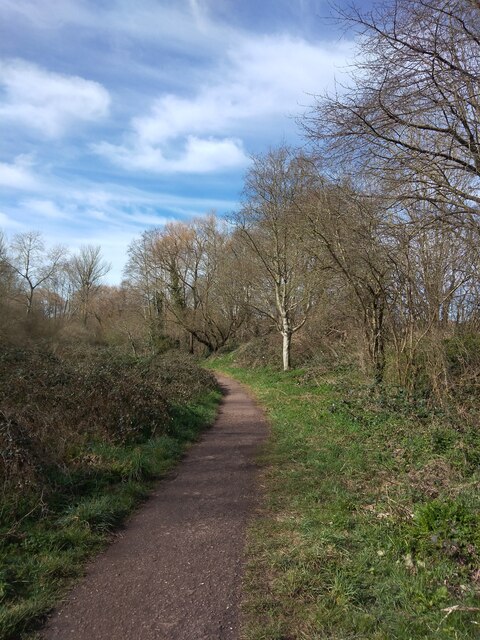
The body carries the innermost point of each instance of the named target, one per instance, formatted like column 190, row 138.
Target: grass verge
column 44, row 551
column 370, row 527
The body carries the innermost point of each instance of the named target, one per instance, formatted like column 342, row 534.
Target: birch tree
column 270, row 224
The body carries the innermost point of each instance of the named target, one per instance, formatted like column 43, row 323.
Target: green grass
column 370, row 526
column 41, row 554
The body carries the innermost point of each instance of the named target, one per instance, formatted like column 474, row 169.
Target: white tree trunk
column 287, row 341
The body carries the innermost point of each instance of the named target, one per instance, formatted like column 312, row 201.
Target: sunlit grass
column 370, row 528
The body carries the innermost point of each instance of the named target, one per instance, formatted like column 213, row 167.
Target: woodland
column 354, row 257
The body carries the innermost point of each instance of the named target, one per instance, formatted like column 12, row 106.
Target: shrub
column 52, row 407
column 463, row 354
column 19, row 461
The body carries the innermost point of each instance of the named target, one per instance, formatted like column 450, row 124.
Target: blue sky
column 119, row 115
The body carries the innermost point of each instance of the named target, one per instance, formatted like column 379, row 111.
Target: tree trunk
column 287, row 343
column 30, row 301
column 378, row 344
column 191, row 343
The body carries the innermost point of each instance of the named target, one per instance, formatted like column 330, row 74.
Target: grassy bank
column 58, row 510
column 370, row 527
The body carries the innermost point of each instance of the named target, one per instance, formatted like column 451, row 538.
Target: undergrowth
column 64, row 492
column 370, row 527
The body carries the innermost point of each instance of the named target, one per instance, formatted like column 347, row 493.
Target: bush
column 52, row 407
column 83, row 435
column 19, row 463
column 260, row 352
column 463, row 354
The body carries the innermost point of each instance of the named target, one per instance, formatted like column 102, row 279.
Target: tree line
column 364, row 242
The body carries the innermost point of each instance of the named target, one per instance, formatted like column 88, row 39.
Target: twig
column 456, row 607
column 459, row 607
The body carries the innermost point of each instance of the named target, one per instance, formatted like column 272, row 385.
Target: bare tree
column 7, row 288
column 270, row 225
column 87, row 270
column 143, row 275
column 352, row 230
column 5, row 268
column 192, row 290
column 412, row 110
column 203, row 293
column 120, row 319
column 218, row 292
column 34, row 265
column 434, row 269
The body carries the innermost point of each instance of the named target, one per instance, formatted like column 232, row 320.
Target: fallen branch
column 456, row 607
column 459, row 607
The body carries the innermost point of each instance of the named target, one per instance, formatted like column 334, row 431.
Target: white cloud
column 199, row 155
column 112, row 215
column 204, row 155
column 48, row 102
column 48, row 14
column 275, row 74
column 182, row 25
column 259, row 83
column 8, row 223
column 45, row 209
column 118, row 197
column 83, row 205
column 18, row 175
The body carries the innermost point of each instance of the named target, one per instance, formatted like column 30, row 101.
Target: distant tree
column 33, row 264
column 204, row 295
column 7, row 288
column 3, row 249
column 5, row 267
column 58, row 295
column 87, row 269
column 143, row 276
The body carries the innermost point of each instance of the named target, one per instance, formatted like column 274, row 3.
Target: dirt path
column 175, row 571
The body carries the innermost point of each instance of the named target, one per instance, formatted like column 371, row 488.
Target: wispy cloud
column 150, row 111
column 119, row 208
column 111, row 216
column 49, row 14
column 18, row 175
column 44, row 209
column 48, row 102
column 259, row 81
column 182, row 25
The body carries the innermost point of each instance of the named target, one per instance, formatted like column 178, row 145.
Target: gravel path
column 175, row 572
